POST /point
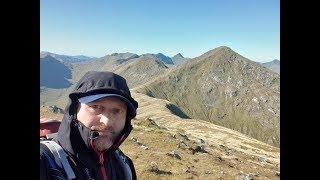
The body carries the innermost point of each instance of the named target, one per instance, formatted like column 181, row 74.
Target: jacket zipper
column 101, row 158
column 102, row 167
column 101, row 162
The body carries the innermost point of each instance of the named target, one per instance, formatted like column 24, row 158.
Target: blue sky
column 190, row 27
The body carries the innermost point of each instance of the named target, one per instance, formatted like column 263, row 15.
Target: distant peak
column 218, row 50
column 48, row 57
column 275, row 61
column 226, row 48
column 178, row 56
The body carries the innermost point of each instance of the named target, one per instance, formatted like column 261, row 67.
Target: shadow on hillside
column 177, row 111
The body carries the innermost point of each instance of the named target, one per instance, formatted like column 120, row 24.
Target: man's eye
column 116, row 111
column 96, row 108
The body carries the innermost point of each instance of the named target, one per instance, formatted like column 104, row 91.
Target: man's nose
column 105, row 120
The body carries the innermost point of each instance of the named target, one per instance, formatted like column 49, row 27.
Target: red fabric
column 48, row 126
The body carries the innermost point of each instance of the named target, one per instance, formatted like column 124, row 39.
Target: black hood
column 72, row 135
column 94, row 82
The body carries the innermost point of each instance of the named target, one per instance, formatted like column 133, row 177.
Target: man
column 96, row 121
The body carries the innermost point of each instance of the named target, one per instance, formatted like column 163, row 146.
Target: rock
column 200, row 141
column 278, row 173
column 182, row 145
column 151, row 123
column 154, row 168
column 145, row 147
column 153, row 165
column 243, row 147
column 254, row 174
column 190, row 170
column 174, row 154
column 136, row 141
column 261, row 159
column 268, row 161
column 243, row 177
column 220, row 158
column 183, row 136
column 198, row 149
column 231, row 165
column 222, row 146
column 55, row 109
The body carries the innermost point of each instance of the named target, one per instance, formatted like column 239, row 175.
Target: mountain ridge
column 66, row 58
column 229, row 87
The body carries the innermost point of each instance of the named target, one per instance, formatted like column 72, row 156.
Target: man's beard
column 105, row 139
column 104, row 142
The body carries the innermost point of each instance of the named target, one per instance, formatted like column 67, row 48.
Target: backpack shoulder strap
column 60, row 157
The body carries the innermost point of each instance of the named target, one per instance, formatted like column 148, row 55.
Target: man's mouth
column 104, row 133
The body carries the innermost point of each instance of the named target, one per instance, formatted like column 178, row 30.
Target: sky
column 190, row 27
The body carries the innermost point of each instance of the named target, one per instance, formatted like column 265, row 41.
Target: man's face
column 107, row 116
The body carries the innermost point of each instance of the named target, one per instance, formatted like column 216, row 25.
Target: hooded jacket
column 76, row 139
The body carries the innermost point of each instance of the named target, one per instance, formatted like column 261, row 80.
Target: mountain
column 53, row 73
column 227, row 89
column 141, row 70
column 59, row 97
column 161, row 57
column 65, row 58
column 273, row 65
column 106, row 63
column 83, row 58
column 136, row 69
column 178, row 59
